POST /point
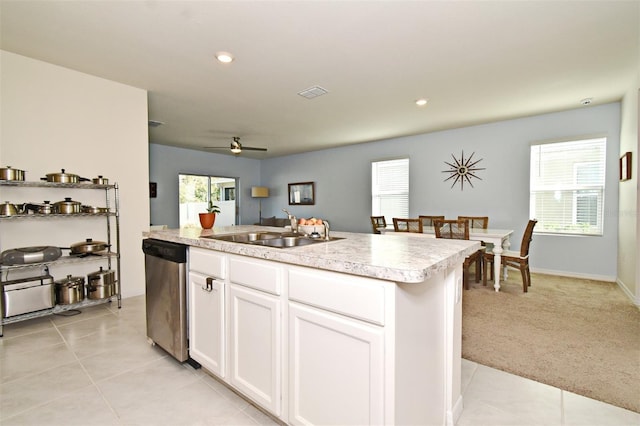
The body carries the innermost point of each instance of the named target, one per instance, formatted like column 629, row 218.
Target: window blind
column 390, row 188
column 567, row 186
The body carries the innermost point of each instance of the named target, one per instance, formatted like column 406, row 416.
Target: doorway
column 195, row 192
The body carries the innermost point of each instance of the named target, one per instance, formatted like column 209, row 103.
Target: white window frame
column 568, row 185
column 383, row 191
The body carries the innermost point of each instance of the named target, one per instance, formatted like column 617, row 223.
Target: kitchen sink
column 271, row 239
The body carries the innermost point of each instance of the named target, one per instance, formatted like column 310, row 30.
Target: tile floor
column 97, row 368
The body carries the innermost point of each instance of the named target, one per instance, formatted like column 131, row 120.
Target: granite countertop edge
column 403, row 258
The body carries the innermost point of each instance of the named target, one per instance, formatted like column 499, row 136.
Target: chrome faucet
column 293, row 220
column 326, row 229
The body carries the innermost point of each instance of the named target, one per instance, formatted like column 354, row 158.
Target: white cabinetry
column 336, row 349
column 350, row 391
column 255, row 330
column 312, row 346
column 206, row 309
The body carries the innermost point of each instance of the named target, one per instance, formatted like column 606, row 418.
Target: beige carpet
column 582, row 336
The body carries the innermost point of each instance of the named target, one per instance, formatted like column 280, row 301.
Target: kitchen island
column 365, row 329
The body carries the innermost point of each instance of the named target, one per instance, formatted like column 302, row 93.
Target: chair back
column 378, row 222
column 527, row 237
column 452, row 229
column 428, row 220
column 478, row 222
column 407, row 225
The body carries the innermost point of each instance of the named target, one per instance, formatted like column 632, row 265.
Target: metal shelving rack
column 109, row 256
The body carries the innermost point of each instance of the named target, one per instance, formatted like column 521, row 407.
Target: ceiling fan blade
column 250, row 148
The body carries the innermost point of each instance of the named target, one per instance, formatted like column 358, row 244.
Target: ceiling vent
column 313, row 92
column 154, row 123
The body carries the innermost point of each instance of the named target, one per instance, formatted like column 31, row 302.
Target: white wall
column 166, row 163
column 53, row 118
column 629, row 238
column 343, row 183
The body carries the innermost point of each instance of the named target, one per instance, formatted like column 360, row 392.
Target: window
column 390, row 188
column 567, row 186
column 195, row 191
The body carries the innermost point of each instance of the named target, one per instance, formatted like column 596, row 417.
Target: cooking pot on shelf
column 63, row 177
column 8, row 209
column 68, row 206
column 88, row 247
column 94, row 210
column 44, row 208
column 100, row 180
column 69, row 290
column 8, row 173
column 101, row 284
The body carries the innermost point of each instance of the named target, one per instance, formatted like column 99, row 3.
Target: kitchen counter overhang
column 403, row 258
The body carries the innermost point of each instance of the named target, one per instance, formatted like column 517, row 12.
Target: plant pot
column 207, row 220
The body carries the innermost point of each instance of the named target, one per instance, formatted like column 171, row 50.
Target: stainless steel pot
column 68, row 206
column 9, row 209
column 88, row 247
column 63, row 177
column 101, row 284
column 94, row 210
column 8, row 173
column 44, row 208
column 100, row 180
column 69, row 290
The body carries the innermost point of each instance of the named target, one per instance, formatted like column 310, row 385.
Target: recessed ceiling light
column 586, row 101
column 224, row 57
column 421, row 102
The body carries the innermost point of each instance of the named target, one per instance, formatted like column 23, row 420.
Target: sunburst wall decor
column 462, row 170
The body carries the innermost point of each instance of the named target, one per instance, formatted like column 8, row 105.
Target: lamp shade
column 259, row 192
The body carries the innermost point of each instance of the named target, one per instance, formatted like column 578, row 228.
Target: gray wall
column 166, row 163
column 342, row 178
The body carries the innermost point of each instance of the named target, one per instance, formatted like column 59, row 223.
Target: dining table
column 500, row 238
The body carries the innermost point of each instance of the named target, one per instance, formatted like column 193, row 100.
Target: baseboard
column 607, row 278
column 634, row 299
column 454, row 415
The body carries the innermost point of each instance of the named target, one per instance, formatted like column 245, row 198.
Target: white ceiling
column 476, row 62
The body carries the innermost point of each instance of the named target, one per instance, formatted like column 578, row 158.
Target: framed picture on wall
column 625, row 167
column 301, row 193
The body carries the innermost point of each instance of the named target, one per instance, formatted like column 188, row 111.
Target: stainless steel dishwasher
column 166, row 296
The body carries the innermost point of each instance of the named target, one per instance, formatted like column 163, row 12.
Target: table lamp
column 260, row 192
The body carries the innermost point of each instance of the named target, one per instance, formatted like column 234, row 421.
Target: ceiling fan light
column 236, row 148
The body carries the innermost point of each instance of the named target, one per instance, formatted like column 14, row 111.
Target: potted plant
column 209, row 218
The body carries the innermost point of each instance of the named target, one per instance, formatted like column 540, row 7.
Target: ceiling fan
column 236, row 147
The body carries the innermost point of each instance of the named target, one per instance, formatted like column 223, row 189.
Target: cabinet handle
column 209, row 287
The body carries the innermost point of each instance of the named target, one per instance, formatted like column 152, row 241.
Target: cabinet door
column 255, row 335
column 206, row 322
column 336, row 369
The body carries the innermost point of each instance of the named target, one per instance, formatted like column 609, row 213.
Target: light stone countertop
column 405, row 258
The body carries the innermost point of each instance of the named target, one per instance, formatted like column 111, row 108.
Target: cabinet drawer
column 207, row 262
column 357, row 297
column 261, row 275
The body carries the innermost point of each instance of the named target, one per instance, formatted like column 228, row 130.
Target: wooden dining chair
column 514, row 259
column 378, row 222
column 479, row 222
column 407, row 225
column 428, row 220
column 459, row 230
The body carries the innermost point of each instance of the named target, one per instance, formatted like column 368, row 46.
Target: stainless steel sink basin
column 271, row 239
